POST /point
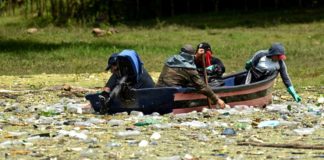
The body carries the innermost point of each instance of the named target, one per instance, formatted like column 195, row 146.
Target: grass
column 234, row 40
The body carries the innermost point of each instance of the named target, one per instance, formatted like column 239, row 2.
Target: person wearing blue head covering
column 127, row 73
column 265, row 63
column 138, row 77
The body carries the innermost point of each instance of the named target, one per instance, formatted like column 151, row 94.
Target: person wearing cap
column 265, row 63
column 213, row 65
column 144, row 81
column 180, row 70
column 112, row 66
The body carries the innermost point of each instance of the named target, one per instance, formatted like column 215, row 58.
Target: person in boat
column 127, row 73
column 144, row 80
column 214, row 66
column 265, row 63
column 180, row 70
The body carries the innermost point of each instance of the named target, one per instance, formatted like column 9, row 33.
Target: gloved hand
column 211, row 69
column 214, row 70
column 293, row 93
column 248, row 65
column 104, row 98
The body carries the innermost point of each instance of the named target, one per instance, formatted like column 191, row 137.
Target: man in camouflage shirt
column 180, row 70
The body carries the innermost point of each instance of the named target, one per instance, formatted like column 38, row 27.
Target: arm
column 284, row 74
column 254, row 60
column 111, row 83
column 286, row 80
column 203, row 88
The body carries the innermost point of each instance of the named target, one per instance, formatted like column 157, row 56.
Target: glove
column 214, row 70
column 293, row 93
column 104, row 99
column 248, row 65
column 211, row 68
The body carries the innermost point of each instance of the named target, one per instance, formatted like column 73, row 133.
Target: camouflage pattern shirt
column 184, row 77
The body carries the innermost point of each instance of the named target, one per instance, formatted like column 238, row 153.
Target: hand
column 248, row 65
column 106, row 89
column 297, row 98
column 221, row 103
column 214, row 70
column 293, row 93
column 210, row 68
column 199, row 53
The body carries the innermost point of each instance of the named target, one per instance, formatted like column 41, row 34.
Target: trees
column 113, row 11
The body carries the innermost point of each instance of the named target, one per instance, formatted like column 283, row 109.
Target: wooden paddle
column 205, row 76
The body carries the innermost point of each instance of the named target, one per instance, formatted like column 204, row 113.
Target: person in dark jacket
column 145, row 80
column 180, row 70
column 124, row 78
column 265, row 63
column 214, row 66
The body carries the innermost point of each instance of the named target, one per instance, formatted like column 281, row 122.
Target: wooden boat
column 234, row 92
column 181, row 100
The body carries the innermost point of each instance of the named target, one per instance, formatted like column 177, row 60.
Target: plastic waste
column 35, row 138
column 242, row 126
column 73, row 134
column 132, row 142
column 128, row 133
column 170, row 158
column 83, row 124
column 45, row 120
column 48, row 113
column 277, row 108
column 219, row 124
column 270, row 123
column 288, row 124
column 241, row 107
column 229, row 132
column 113, row 144
column 87, row 153
column 203, row 138
column 115, row 122
column 153, row 143
column 143, row 143
column 17, row 134
column 155, row 114
column 13, row 120
column 320, row 100
column 96, row 121
column 242, row 110
column 195, row 124
column 304, row 131
column 74, row 108
column 190, row 115
column 9, row 144
column 188, row 157
column 136, row 113
column 147, row 121
column 314, row 111
column 162, row 126
column 155, row 136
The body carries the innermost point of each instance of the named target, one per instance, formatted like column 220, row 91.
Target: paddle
column 248, row 77
column 115, row 92
column 205, row 75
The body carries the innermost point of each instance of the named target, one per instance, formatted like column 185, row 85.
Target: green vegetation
column 75, row 50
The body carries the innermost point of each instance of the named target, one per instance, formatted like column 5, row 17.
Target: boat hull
column 258, row 95
column 181, row 100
